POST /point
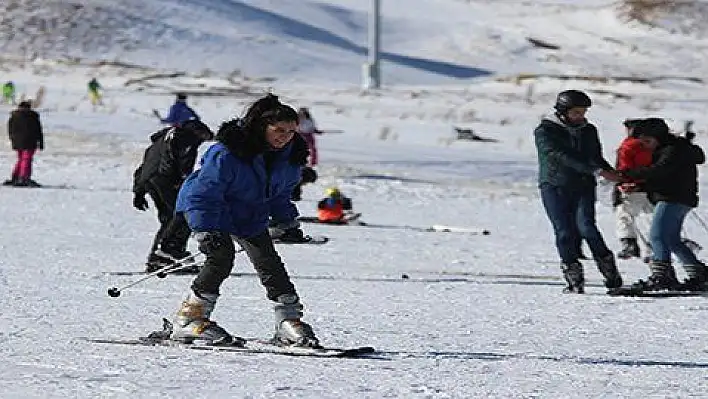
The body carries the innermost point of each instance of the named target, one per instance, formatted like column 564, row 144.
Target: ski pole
column 700, row 220
column 115, row 292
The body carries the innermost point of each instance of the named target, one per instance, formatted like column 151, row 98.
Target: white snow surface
column 479, row 316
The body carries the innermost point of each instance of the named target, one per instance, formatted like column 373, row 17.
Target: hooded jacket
column 568, row 156
column 673, row 174
column 241, row 183
column 167, row 161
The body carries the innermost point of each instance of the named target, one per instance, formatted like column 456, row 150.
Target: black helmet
column 570, row 99
column 181, row 96
column 199, row 128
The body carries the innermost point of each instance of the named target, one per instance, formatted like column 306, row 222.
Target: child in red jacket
column 631, row 201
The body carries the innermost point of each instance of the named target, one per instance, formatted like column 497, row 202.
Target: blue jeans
column 665, row 233
column 572, row 213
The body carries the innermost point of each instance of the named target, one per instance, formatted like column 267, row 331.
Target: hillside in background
column 425, row 42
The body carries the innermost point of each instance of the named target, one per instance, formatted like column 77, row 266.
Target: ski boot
column 630, row 248
column 697, row 278
column 192, row 321
column 663, row 278
column 573, row 274
column 289, row 329
column 608, row 268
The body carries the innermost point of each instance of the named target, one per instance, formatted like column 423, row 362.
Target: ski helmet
column 333, row 192
column 571, row 99
column 199, row 128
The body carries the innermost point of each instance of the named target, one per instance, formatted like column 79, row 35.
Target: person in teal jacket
column 569, row 160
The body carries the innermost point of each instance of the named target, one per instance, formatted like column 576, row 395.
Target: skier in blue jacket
column 179, row 112
column 246, row 178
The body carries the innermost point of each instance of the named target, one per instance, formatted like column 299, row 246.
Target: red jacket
column 631, row 154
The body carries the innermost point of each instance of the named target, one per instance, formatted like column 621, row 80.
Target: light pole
column 372, row 68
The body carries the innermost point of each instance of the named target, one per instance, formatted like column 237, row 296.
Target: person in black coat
column 671, row 183
column 166, row 163
column 26, row 137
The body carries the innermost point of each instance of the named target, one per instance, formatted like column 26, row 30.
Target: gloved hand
column 282, row 231
column 139, row 202
column 210, row 241
column 292, row 235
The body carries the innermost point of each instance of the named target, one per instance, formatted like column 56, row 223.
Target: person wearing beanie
column 671, row 183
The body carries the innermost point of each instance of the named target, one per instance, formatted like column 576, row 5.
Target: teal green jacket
column 568, row 156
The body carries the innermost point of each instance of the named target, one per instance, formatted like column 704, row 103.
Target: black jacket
column 25, row 130
column 568, row 156
column 673, row 174
column 167, row 161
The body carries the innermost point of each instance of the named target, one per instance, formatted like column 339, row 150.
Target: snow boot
column 573, row 274
column 663, row 278
column 630, row 248
column 289, row 329
column 192, row 321
column 697, row 278
column 608, row 268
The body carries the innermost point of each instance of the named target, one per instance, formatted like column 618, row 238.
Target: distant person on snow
column 94, row 92
column 166, row 163
column 8, row 93
column 308, row 129
column 245, row 178
column 335, row 208
column 26, row 137
column 671, row 183
column 179, row 112
column 569, row 159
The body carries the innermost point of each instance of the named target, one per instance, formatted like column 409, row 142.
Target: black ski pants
column 173, row 234
column 260, row 250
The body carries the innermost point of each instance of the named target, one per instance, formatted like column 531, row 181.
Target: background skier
column 166, row 163
column 179, row 112
column 308, row 129
column 334, row 208
column 569, row 158
column 26, row 137
column 8, row 93
column 94, row 92
column 671, row 182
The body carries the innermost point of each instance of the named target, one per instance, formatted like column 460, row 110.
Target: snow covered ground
column 479, row 316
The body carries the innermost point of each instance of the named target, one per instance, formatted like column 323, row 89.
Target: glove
column 294, row 234
column 280, row 230
column 210, row 241
column 139, row 202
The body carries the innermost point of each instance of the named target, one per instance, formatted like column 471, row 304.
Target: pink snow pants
column 23, row 167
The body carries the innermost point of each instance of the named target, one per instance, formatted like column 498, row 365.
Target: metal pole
column 372, row 69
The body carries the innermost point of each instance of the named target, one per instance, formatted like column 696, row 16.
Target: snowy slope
column 479, row 316
column 423, row 42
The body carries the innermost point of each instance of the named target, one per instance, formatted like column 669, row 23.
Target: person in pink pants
column 26, row 137
column 307, row 129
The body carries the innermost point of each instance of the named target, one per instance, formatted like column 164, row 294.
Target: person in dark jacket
column 166, row 163
column 671, row 183
column 245, row 179
column 179, row 112
column 26, row 137
column 570, row 158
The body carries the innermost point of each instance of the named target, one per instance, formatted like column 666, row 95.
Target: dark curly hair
column 246, row 136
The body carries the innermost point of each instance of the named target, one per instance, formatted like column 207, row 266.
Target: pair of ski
column 629, row 291
column 238, row 345
column 353, row 220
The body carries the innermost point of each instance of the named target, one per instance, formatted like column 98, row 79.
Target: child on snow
column 335, row 208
